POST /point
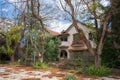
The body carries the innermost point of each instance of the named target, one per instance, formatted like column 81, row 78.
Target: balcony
column 78, row 43
column 64, row 43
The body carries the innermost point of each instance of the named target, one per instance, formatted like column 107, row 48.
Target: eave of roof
column 77, row 49
column 72, row 26
column 52, row 32
column 63, row 46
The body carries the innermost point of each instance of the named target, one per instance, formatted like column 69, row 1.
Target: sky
column 58, row 24
column 6, row 9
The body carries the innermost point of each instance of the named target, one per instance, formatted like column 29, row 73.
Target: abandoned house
column 72, row 45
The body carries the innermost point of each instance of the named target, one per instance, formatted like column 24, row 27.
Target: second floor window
column 90, row 36
column 64, row 38
column 77, row 37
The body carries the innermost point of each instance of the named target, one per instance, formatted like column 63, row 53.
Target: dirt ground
column 18, row 72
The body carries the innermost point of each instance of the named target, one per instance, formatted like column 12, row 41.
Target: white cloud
column 105, row 2
column 5, row 10
column 13, row 0
column 56, row 25
column 59, row 26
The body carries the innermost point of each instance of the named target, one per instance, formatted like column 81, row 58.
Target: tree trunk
column 42, row 46
column 97, row 60
column 36, row 48
column 35, row 14
column 106, row 20
column 80, row 31
column 12, row 58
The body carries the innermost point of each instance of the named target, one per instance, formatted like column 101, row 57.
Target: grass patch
column 15, row 63
column 101, row 71
column 70, row 77
column 40, row 65
column 80, row 71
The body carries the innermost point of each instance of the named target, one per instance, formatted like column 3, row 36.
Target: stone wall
column 85, row 56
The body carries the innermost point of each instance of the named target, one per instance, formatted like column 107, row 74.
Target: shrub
column 15, row 63
column 112, row 60
column 51, row 48
column 101, row 71
column 72, row 71
column 40, row 65
column 0, row 62
column 80, row 71
column 70, row 77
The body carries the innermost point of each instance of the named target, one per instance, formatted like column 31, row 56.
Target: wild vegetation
column 12, row 39
column 29, row 38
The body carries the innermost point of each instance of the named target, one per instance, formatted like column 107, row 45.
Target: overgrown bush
column 70, row 77
column 40, row 65
column 101, row 71
column 80, row 71
column 51, row 48
column 15, row 63
column 111, row 57
column 73, row 71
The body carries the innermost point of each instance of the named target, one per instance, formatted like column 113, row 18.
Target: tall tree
column 115, row 23
column 35, row 12
column 91, row 6
column 12, row 39
column 112, row 43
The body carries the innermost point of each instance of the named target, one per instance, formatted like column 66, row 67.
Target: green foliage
column 15, row 33
column 72, row 71
column 15, row 63
column 29, row 49
column 112, row 60
column 70, row 77
column 111, row 54
column 51, row 48
column 0, row 62
column 101, row 71
column 12, row 39
column 40, row 65
column 80, row 71
column 7, row 50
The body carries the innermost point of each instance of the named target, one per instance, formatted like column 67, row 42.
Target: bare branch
column 64, row 8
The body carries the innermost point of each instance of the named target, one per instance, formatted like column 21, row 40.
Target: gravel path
column 11, row 74
column 25, row 73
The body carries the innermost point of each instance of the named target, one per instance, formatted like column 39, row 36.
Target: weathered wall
column 81, row 55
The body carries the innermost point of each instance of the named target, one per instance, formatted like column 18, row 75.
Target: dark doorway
column 4, row 57
column 63, row 54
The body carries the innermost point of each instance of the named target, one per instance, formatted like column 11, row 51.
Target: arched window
column 63, row 54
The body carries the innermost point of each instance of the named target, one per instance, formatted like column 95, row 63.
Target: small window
column 64, row 38
column 77, row 37
column 90, row 36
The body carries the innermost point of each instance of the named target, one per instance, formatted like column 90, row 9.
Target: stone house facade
column 72, row 45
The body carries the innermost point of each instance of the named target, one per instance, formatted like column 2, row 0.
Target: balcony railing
column 64, row 43
column 78, row 43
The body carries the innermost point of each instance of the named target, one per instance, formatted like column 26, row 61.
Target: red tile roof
column 52, row 32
